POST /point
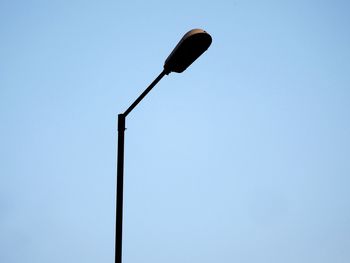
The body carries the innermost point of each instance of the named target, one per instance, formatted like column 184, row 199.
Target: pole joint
column 121, row 122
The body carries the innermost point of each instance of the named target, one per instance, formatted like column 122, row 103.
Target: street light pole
column 193, row 44
column 120, row 184
column 120, row 170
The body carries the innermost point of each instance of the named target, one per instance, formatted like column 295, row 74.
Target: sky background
column 243, row 158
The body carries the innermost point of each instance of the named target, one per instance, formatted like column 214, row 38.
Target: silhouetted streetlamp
column 193, row 44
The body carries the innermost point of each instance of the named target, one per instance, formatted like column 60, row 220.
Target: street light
column 193, row 44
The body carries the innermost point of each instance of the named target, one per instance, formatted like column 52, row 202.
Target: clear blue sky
column 242, row 158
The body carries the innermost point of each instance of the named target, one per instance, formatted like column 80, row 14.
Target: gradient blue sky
column 242, row 158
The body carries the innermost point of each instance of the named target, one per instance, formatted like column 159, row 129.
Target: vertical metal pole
column 119, row 194
column 120, row 170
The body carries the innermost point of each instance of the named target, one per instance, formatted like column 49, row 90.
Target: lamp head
column 193, row 44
